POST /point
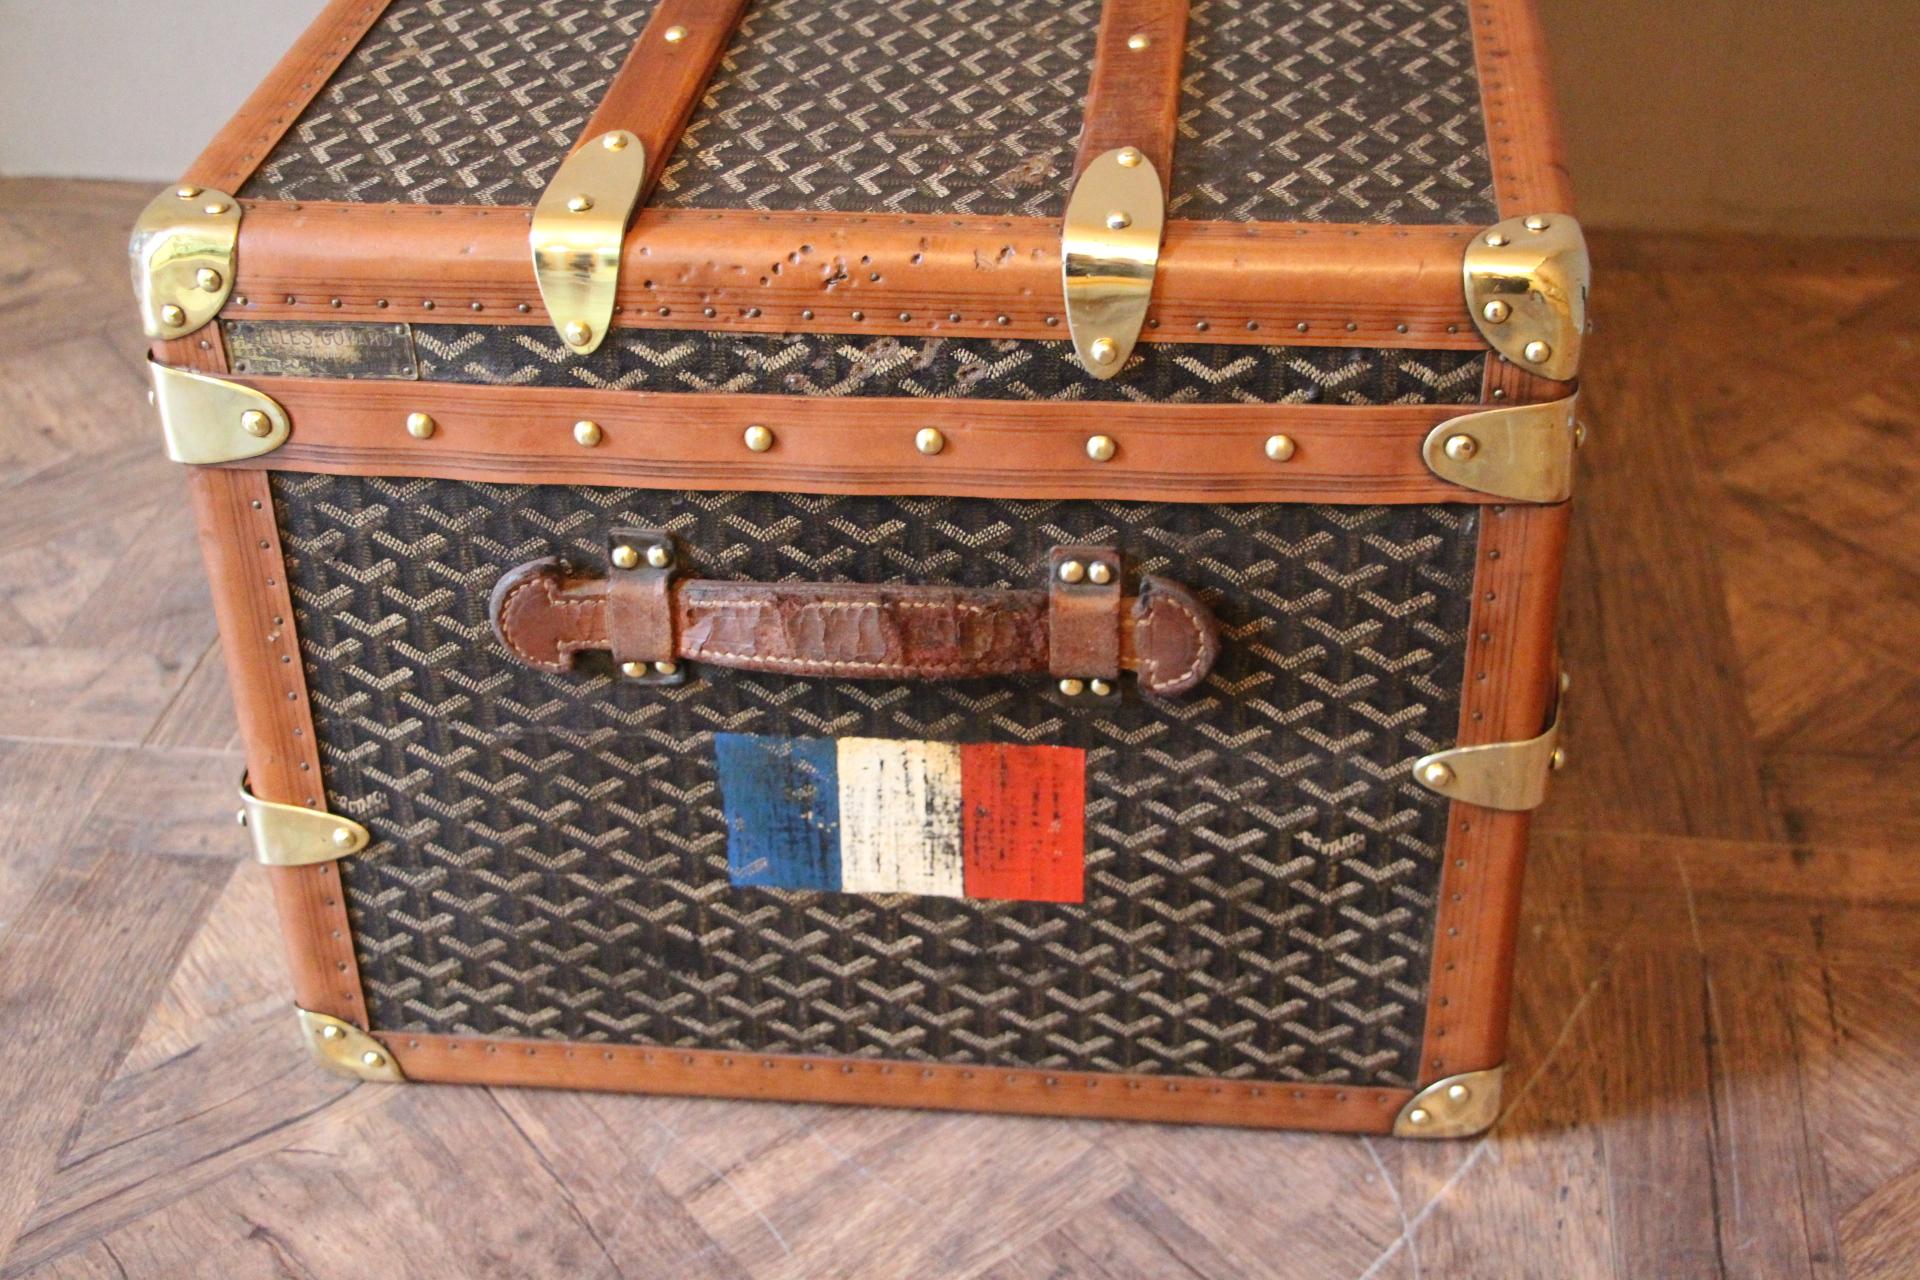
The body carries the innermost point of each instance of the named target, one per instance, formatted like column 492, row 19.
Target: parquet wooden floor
column 1716, row 1060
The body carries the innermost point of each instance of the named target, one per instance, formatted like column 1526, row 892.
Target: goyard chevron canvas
column 864, row 628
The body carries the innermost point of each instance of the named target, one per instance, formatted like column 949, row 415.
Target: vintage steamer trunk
column 922, row 552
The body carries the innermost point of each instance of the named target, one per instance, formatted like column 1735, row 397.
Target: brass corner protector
column 208, row 420
column 579, row 229
column 1523, row 451
column 1454, row 1107
column 1526, row 282
column 344, row 1048
column 183, row 251
column 1499, row 775
column 1109, row 251
column 285, row 835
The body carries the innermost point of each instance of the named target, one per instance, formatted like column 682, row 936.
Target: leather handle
column 545, row 615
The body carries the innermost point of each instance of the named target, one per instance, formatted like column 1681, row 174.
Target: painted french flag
column 875, row 815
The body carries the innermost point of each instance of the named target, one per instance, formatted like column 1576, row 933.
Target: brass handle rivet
column 1462, row 447
column 1558, row 760
column 615, row 141
column 578, row 333
column 256, row 423
column 659, row 557
column 1537, row 352
column 1458, row 1093
column 1099, row 573
column 1437, row 774
column 1418, row 1115
column 929, row 441
column 758, row 439
column 187, row 193
column 1119, row 220
column 667, row 668
column 1137, row 42
column 1099, row 688
column 674, row 35
column 1073, row 688
column 1280, row 448
column 331, row 1033
column 342, row 837
column 625, row 557
column 634, row 669
column 1536, row 222
column 1101, row 448
column 1103, row 350
column 172, row 315
column 1497, row 239
column 1496, row 311
column 580, row 204
column 208, row 279
column 1073, row 571
column 217, row 208
column 587, row 434
column 1581, row 434
column 420, row 425
column 1129, row 157
column 374, row 1058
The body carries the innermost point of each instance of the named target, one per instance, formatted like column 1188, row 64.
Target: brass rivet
column 1461, row 447
column 1458, row 1093
column 667, row 668
column 1280, row 448
column 1496, row 311
column 1497, row 239
column 1103, row 350
column 1099, row 573
column 1099, row 688
column 625, row 557
column 586, row 434
column 332, row 1033
column 1100, row 448
column 1119, row 220
column 658, row 556
column 241, row 817
column 1537, row 352
column 1558, row 760
column 634, row 669
column 374, row 1058
column 1137, row 42
column 1580, row 435
column 173, row 316
column 1418, row 1116
column 1073, row 571
column 218, row 207
column 256, row 423
column 1437, row 774
column 615, row 141
column 580, row 204
column 342, row 837
column 929, row 441
column 674, row 35
column 1536, row 222
column 758, row 439
column 187, row 193
column 420, row 425
column 578, row 333
column 1073, row 688
column 208, row 279
column 1129, row 157
column 1566, row 680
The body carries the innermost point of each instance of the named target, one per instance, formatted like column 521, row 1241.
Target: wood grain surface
column 1716, row 1017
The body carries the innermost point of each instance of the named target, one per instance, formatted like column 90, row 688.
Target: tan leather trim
column 1511, row 674
column 1517, row 103
column 1180, row 453
column 1356, row 286
column 1133, row 95
column 880, row 1083
column 237, row 150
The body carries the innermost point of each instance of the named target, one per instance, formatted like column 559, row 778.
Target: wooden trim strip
column 1512, row 669
column 657, row 87
column 1517, row 106
column 1252, row 283
column 1133, row 95
column 237, row 150
column 1179, row 453
column 881, row 1083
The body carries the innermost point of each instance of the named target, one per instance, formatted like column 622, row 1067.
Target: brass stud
column 173, row 316
column 1099, row 573
column 256, row 423
column 1280, row 448
column 667, row 668
column 658, row 556
column 1419, row 1115
column 342, row 837
column 208, row 279
column 1103, row 350
column 1536, row 222
column 1566, row 680
column 1101, row 448
column 1558, row 760
column 615, row 141
column 1119, row 220
column 758, row 439
column 1073, row 571
column 1099, row 688
column 578, row 333
column 1137, row 41
column 625, row 557
column 1458, row 1093
column 1437, row 774
column 331, row 1032
column 1073, row 688
column 1497, row 239
column 633, row 669
column 587, row 434
column 1461, row 447
column 420, row 425
column 674, row 35
column 187, row 193
column 217, row 207
column 1537, row 352
column 929, row 441
column 1496, row 311
column 580, row 204
column 1129, row 157
column 374, row 1059
column 1581, row 434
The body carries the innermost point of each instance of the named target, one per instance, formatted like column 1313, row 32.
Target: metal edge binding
column 1526, row 283
column 1523, row 451
column 1498, row 775
column 1457, row 1106
column 183, row 248
column 345, row 1049
column 286, row 835
column 1109, row 250
column 579, row 228
column 208, row 420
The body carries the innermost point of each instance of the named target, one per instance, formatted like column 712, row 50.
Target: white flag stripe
column 900, row 817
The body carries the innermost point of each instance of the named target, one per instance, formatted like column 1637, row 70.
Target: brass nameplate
column 272, row 348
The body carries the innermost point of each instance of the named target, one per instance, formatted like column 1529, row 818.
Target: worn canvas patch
column 879, row 815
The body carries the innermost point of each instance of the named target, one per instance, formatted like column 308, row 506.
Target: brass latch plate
column 183, row 251
column 1526, row 282
column 286, row 835
column 208, row 420
column 344, row 1048
column 1498, row 775
column 579, row 227
column 1109, row 250
column 1458, row 1106
column 1523, row 452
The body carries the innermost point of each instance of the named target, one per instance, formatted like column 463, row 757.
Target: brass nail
column 1101, row 448
column 586, row 434
column 1280, row 448
column 758, row 439
column 420, row 425
column 1073, row 571
column 625, row 557
column 929, row 441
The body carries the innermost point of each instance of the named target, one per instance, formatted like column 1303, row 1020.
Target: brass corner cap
column 1526, row 284
column 286, row 835
column 1458, row 1106
column 183, row 250
column 345, row 1049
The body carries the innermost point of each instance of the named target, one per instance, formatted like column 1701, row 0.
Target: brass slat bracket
column 286, row 835
column 1526, row 281
column 1455, row 1107
column 1109, row 250
column 208, row 420
column 1500, row 775
column 183, row 251
column 579, row 227
column 345, row 1049
column 1523, row 451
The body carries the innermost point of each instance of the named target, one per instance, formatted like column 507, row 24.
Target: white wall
column 130, row 88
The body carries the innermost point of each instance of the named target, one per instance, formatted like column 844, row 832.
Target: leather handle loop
column 545, row 615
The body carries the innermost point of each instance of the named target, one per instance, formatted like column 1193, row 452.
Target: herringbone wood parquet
column 1718, row 1007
